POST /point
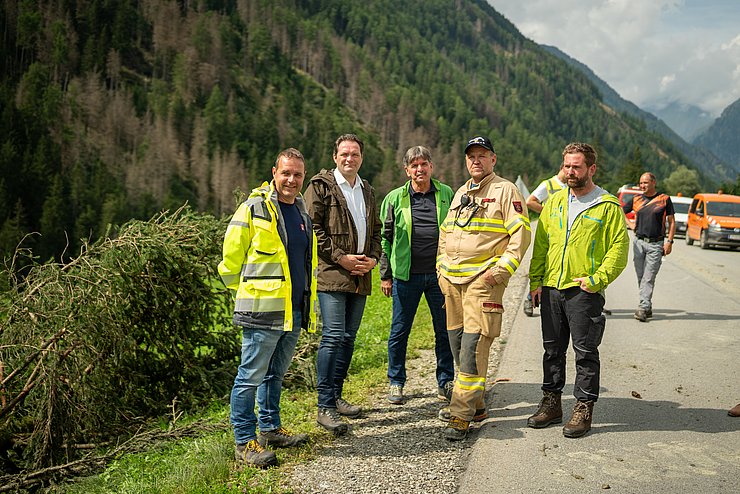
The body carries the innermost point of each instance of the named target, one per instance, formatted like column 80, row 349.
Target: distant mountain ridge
column 702, row 158
column 723, row 136
column 688, row 121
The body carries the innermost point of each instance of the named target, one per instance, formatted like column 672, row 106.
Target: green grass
column 205, row 464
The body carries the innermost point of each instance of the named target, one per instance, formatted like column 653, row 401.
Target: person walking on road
column 581, row 245
column 269, row 241
column 542, row 193
column 411, row 216
column 481, row 244
column 347, row 224
column 652, row 211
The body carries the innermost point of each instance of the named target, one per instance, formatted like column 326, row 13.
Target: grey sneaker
column 395, row 394
column 253, row 454
column 330, row 420
column 281, row 438
column 641, row 315
column 481, row 414
column 528, row 310
column 348, row 409
column 444, row 393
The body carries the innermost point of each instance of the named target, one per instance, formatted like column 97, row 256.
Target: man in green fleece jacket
column 581, row 246
column 411, row 216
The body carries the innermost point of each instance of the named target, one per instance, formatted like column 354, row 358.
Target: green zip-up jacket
column 395, row 214
column 596, row 247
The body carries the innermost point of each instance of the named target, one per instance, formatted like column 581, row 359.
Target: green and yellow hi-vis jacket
column 255, row 264
column 596, row 247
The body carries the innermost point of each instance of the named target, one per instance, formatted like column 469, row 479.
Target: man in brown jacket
column 481, row 243
column 345, row 218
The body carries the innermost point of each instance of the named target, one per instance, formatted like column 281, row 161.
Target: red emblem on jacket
column 517, row 206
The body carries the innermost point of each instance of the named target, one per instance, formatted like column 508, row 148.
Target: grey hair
column 416, row 152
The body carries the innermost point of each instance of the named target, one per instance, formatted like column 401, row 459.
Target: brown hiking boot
column 580, row 422
column 457, row 429
column 255, row 455
column 549, row 412
column 348, row 409
column 329, row 419
column 281, row 438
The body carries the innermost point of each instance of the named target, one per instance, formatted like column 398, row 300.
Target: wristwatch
column 670, row 241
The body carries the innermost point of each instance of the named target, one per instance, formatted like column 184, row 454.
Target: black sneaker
column 348, row 409
column 641, row 315
column 444, row 393
column 330, row 420
column 253, row 454
column 457, row 429
column 481, row 414
column 649, row 313
column 395, row 394
column 281, row 438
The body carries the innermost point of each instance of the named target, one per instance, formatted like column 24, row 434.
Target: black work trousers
column 572, row 314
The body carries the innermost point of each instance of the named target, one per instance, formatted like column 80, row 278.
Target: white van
column 681, row 208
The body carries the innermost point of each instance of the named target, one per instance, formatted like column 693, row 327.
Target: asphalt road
column 684, row 368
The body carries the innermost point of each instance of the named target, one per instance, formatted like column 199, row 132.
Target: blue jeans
column 266, row 356
column 406, row 298
column 341, row 313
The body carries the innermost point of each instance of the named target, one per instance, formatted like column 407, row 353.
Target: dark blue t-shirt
column 297, row 247
column 424, row 231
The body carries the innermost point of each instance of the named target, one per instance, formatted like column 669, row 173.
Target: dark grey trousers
column 572, row 314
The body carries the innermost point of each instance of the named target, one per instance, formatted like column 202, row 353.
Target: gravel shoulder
column 400, row 449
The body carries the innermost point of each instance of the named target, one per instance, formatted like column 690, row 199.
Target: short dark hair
column 581, row 147
column 289, row 153
column 348, row 137
column 416, row 152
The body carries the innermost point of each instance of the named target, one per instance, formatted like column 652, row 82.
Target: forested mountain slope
column 113, row 110
column 723, row 137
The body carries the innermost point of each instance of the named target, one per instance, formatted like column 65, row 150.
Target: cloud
column 652, row 53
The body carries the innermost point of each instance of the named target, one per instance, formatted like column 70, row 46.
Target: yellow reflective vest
column 255, row 264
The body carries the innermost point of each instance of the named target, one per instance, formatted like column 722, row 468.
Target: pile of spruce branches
column 135, row 325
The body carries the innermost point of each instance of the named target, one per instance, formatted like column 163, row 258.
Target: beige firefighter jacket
column 487, row 227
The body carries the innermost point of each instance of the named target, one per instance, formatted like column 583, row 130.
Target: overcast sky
column 651, row 52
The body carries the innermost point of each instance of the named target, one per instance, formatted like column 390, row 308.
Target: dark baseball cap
column 480, row 141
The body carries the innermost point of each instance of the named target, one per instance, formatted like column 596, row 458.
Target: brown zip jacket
column 336, row 233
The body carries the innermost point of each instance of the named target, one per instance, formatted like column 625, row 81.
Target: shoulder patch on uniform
column 517, row 206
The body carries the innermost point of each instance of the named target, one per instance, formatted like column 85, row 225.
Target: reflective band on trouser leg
column 469, row 392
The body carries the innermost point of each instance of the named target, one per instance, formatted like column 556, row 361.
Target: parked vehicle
column 624, row 194
column 681, row 208
column 714, row 219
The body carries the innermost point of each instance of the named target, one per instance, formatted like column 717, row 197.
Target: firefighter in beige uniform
column 481, row 243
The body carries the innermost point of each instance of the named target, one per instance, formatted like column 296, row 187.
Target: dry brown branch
column 44, row 346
